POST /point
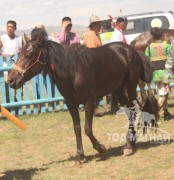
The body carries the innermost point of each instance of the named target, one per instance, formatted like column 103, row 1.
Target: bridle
column 23, row 71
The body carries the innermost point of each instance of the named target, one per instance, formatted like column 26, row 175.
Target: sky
column 50, row 12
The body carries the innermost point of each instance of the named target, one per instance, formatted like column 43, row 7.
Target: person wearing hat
column 158, row 51
column 106, row 36
column 120, row 25
column 66, row 36
column 40, row 25
column 91, row 39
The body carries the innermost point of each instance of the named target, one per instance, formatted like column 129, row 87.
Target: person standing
column 91, row 39
column 37, row 29
column 158, row 51
column 10, row 43
column 120, row 26
column 66, row 36
column 106, row 35
column 169, row 66
column 110, row 35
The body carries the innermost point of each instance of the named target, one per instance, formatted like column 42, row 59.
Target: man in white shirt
column 120, row 25
column 10, row 43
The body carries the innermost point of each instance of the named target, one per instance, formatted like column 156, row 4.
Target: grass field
column 45, row 150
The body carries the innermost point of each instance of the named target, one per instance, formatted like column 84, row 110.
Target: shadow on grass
column 101, row 114
column 23, row 174
column 111, row 152
column 118, row 151
column 170, row 105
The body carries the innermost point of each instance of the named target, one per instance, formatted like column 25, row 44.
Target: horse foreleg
column 73, row 108
column 89, row 111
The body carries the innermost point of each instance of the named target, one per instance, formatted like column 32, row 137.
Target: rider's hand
column 65, row 24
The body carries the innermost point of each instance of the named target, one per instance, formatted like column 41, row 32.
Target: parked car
column 138, row 23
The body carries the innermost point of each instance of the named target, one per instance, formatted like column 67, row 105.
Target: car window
column 134, row 26
column 159, row 21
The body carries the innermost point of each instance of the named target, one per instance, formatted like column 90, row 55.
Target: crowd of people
column 99, row 34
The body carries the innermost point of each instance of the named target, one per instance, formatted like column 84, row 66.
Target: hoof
column 101, row 149
column 128, row 152
column 79, row 159
column 78, row 162
column 1, row 175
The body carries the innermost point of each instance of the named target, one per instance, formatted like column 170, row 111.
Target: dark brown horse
column 143, row 40
column 141, row 43
column 83, row 75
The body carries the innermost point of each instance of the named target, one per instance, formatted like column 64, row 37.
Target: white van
column 138, row 23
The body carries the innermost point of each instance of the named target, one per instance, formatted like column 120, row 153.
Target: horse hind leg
column 128, row 99
column 89, row 111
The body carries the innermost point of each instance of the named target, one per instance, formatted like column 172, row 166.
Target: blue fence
column 26, row 100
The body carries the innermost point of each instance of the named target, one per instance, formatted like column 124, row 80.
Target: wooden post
column 12, row 118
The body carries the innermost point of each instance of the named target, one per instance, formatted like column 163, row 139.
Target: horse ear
column 25, row 39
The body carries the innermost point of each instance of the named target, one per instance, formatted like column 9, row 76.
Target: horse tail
column 147, row 72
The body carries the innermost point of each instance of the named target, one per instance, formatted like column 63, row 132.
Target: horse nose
column 10, row 81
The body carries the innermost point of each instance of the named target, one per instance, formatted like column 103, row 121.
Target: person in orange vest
column 91, row 40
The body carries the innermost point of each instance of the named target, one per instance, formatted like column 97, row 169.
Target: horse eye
column 27, row 56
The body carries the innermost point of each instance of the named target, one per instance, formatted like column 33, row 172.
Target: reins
column 22, row 71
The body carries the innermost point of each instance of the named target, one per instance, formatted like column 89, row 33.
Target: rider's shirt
column 71, row 38
column 158, row 52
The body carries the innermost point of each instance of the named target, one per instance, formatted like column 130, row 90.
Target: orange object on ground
column 12, row 118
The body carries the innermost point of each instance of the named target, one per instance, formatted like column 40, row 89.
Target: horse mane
column 62, row 56
column 65, row 57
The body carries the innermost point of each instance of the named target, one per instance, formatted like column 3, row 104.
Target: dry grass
column 44, row 151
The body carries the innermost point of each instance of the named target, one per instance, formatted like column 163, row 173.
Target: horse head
column 28, row 63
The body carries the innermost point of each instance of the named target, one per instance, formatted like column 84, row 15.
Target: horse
column 141, row 43
column 83, row 75
column 144, row 39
